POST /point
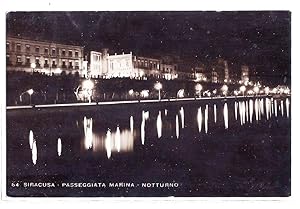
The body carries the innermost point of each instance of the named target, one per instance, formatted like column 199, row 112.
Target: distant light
column 287, row 90
column 30, row 91
column 180, row 93
column 32, row 65
column 145, row 93
column 250, row 92
column 215, row 91
column 198, row 87
column 256, row 89
column 281, row 90
column 224, row 88
column 236, row 92
column 88, row 84
column 58, row 71
column 242, row 88
column 267, row 90
column 158, row 86
column 131, row 92
column 274, row 90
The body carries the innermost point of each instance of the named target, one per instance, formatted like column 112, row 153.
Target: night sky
column 258, row 39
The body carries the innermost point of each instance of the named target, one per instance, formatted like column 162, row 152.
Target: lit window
column 18, row 47
column 27, row 60
column 19, row 60
column 76, row 54
column 70, row 53
column 53, row 52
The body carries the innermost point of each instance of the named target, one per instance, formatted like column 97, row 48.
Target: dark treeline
column 60, row 89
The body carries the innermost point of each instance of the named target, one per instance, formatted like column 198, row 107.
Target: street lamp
column 224, row 89
column 158, row 86
column 236, row 92
column 243, row 89
column 30, row 92
column 198, row 89
column 33, row 66
column 87, row 87
column 131, row 92
column 256, row 90
column 267, row 90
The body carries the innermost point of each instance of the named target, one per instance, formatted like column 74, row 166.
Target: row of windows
column 145, row 64
column 46, row 50
column 37, row 61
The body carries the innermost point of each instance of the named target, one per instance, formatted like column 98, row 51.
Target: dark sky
column 258, row 39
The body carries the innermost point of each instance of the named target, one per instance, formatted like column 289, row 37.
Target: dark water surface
column 192, row 151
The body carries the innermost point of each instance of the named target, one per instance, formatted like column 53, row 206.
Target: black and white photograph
column 148, row 103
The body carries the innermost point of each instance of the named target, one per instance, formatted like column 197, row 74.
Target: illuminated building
column 226, row 72
column 102, row 64
column 151, row 67
column 244, row 73
column 48, row 57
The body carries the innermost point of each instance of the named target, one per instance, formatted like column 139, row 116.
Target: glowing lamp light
column 158, row 86
column 224, row 88
column 145, row 93
column 131, row 92
column 198, row 87
column 58, row 71
column 33, row 65
column 236, row 92
column 30, row 91
column 281, row 90
column 256, row 89
column 242, row 88
column 88, row 84
column 286, row 91
column 250, row 92
column 180, row 93
column 267, row 90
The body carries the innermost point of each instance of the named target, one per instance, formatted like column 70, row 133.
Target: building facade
column 149, row 67
column 102, row 64
column 45, row 57
column 244, row 73
column 226, row 72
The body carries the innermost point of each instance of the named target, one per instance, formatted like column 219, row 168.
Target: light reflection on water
column 34, row 152
column 215, row 112
column 119, row 139
column 199, row 119
column 275, row 107
column 59, row 147
column 88, row 132
column 251, row 110
column 182, row 117
column 235, row 110
column 159, row 125
column 225, row 113
column 281, row 109
column 206, row 118
column 30, row 139
column 131, row 124
column 177, row 126
column 287, row 103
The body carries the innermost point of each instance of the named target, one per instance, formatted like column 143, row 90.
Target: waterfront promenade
column 126, row 102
